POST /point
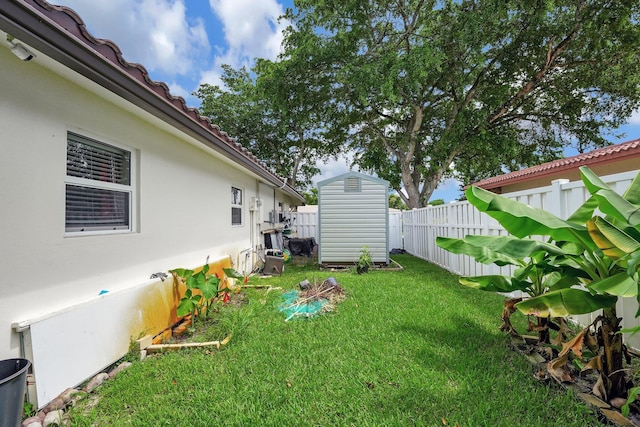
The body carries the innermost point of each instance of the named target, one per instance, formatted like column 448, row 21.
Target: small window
column 352, row 183
column 236, row 206
column 98, row 186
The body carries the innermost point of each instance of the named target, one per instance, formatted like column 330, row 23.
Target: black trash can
column 13, row 381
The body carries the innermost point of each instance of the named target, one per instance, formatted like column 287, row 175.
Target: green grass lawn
column 405, row 348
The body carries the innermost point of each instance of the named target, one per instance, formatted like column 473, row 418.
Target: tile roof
column 46, row 21
column 599, row 156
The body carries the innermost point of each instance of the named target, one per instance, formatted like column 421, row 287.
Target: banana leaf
column 557, row 280
column 499, row 250
column 516, row 247
column 620, row 285
column 563, row 302
column 614, row 242
column 544, row 277
column 632, row 194
column 522, row 220
column 610, row 202
column 585, row 212
column 495, row 283
column 479, row 253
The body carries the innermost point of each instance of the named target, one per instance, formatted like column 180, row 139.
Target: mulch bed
column 582, row 383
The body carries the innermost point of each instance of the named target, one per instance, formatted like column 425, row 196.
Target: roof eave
column 599, row 160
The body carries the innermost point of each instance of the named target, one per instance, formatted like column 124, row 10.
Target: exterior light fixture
column 19, row 50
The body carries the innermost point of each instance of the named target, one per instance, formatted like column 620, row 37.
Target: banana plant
column 597, row 259
column 617, row 235
column 550, row 273
column 542, row 270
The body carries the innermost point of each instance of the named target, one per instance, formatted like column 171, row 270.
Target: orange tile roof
column 599, row 156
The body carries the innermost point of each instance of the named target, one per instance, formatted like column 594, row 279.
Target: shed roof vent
column 352, row 183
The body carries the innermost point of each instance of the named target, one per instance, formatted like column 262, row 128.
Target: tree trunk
column 612, row 355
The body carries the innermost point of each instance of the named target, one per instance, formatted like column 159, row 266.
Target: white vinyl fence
column 395, row 231
column 562, row 198
column 305, row 224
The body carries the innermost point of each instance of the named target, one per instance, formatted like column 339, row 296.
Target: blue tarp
column 293, row 308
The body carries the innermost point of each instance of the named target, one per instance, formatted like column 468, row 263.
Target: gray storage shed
column 353, row 212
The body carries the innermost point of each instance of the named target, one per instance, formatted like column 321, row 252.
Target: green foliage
column 271, row 112
column 28, row 410
column 311, row 196
column 365, row 260
column 575, row 255
column 396, row 202
column 416, row 86
column 633, row 394
column 436, row 202
column 202, row 289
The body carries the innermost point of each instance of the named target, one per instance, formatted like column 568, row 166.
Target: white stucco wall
column 182, row 199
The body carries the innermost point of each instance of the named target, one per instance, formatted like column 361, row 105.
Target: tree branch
column 551, row 57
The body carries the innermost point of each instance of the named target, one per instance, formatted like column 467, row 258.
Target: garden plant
column 587, row 262
column 201, row 291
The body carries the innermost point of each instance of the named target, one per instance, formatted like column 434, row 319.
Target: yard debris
column 305, row 284
column 162, row 347
column 313, row 299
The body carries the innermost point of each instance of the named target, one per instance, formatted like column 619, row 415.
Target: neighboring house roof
column 598, row 157
column 59, row 33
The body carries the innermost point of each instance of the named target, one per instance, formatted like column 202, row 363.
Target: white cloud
column 155, row 33
column 251, row 27
column 333, row 168
column 635, row 118
column 177, row 90
column 212, row 77
column 251, row 30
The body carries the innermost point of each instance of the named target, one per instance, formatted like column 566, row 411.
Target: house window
column 98, row 186
column 236, row 206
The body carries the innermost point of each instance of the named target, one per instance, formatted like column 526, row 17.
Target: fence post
column 452, row 226
column 555, row 205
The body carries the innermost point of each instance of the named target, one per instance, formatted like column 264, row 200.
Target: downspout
column 255, row 216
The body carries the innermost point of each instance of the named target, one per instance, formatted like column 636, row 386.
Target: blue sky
column 184, row 42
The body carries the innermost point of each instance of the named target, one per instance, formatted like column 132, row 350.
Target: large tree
column 416, row 86
column 262, row 109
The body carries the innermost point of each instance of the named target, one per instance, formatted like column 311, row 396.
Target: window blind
column 96, row 209
column 90, row 159
column 98, row 188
